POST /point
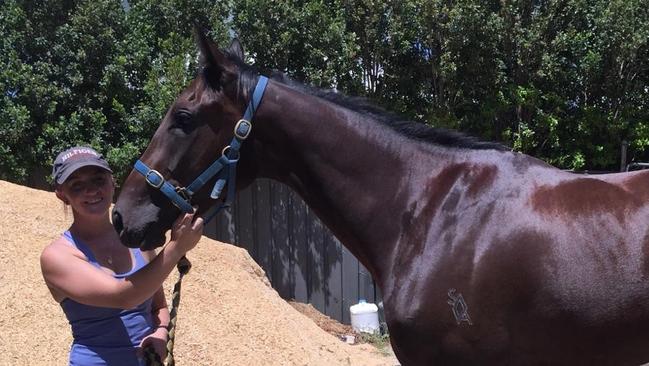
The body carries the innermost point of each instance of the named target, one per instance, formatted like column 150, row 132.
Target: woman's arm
column 70, row 275
column 160, row 315
column 159, row 309
column 160, row 335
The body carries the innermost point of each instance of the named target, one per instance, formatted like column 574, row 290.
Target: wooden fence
column 302, row 259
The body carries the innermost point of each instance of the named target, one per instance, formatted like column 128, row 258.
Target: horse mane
column 414, row 130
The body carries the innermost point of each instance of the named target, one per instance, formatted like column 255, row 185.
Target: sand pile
column 229, row 314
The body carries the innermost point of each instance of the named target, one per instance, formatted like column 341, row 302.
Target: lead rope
column 151, row 357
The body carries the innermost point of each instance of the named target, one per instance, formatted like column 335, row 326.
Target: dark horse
column 484, row 256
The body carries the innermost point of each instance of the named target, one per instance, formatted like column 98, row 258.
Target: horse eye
column 182, row 119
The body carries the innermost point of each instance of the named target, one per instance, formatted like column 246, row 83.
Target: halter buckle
column 242, row 129
column 157, row 182
column 182, row 192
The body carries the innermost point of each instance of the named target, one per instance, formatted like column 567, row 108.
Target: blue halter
column 224, row 167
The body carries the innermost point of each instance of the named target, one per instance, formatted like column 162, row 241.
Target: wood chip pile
column 229, row 313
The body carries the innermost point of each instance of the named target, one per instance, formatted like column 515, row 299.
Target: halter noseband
column 181, row 196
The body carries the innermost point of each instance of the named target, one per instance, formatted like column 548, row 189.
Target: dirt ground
column 229, row 313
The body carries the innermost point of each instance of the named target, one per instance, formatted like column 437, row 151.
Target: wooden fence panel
column 283, row 262
column 263, row 233
column 350, row 294
column 245, row 222
column 333, row 277
column 315, row 262
column 298, row 241
column 301, row 257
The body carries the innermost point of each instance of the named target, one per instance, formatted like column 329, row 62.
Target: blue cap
column 75, row 158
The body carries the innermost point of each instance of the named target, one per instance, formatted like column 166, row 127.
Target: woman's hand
column 158, row 341
column 187, row 233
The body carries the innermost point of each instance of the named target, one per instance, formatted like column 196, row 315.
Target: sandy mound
column 229, row 314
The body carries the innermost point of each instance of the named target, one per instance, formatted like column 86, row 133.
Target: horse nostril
column 117, row 222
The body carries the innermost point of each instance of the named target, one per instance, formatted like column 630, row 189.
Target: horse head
column 196, row 130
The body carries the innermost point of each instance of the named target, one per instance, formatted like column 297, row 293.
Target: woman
column 111, row 295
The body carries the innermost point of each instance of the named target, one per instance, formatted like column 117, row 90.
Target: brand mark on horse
column 459, row 307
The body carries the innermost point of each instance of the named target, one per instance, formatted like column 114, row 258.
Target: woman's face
column 89, row 191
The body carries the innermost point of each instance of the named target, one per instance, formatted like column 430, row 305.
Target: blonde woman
column 110, row 294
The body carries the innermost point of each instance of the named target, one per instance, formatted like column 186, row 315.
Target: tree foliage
column 563, row 80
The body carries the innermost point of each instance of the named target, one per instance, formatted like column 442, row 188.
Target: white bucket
column 364, row 317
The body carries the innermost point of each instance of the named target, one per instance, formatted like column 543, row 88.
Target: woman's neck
column 89, row 228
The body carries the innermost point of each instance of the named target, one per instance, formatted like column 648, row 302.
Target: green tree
column 563, row 80
column 89, row 72
column 156, row 59
column 304, row 39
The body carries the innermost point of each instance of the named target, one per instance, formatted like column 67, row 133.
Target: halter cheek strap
column 224, row 168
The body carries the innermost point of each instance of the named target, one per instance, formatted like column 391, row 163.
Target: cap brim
column 78, row 165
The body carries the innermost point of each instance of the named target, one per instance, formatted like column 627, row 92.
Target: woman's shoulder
column 59, row 249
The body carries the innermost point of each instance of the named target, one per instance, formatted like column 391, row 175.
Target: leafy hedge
column 565, row 81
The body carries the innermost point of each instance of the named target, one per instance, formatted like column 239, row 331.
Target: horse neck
column 355, row 173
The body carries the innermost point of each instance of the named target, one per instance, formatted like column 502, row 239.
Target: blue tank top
column 107, row 336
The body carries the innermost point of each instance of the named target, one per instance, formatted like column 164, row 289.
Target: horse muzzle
column 145, row 234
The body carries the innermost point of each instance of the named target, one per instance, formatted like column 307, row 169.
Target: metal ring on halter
column 246, row 126
column 225, row 151
column 155, row 173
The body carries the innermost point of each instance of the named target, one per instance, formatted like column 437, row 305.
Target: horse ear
column 236, row 49
column 211, row 58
